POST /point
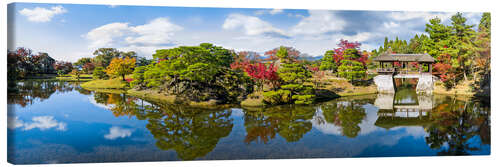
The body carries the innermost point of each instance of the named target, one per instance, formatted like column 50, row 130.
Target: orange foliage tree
column 121, row 67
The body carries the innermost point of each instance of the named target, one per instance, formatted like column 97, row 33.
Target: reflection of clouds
column 40, row 122
column 321, row 125
column 118, row 132
column 415, row 131
column 92, row 100
column 367, row 125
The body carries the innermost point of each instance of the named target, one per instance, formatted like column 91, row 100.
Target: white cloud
column 390, row 25
column 295, row 15
column 105, row 35
column 39, row 14
column 118, row 132
column 267, row 11
column 40, row 122
column 252, row 26
column 276, row 11
column 319, row 22
column 473, row 17
column 425, row 16
column 156, row 33
column 359, row 37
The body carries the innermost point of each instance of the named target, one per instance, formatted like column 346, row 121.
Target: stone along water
column 59, row 122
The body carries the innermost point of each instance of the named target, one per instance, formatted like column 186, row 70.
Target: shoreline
column 255, row 100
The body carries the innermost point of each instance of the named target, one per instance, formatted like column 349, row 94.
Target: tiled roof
column 405, row 57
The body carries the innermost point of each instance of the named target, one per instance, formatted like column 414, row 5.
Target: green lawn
column 73, row 78
column 115, row 83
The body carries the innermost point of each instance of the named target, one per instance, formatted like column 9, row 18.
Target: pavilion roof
column 405, row 58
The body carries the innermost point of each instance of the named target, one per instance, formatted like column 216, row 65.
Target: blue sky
column 71, row 31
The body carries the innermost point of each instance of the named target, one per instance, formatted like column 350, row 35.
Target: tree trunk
column 123, row 77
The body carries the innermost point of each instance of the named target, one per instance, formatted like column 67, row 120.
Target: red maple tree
column 342, row 46
column 292, row 52
column 263, row 74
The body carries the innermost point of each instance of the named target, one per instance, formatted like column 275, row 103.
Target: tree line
column 209, row 72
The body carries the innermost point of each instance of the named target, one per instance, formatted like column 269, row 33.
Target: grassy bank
column 343, row 87
column 330, row 88
column 73, row 78
column 116, row 83
column 463, row 88
column 155, row 96
column 255, row 99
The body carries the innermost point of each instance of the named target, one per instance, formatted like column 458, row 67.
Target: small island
column 208, row 75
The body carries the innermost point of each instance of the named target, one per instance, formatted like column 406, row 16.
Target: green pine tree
column 351, row 68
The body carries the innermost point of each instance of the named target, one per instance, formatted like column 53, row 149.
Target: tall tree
column 462, row 36
column 327, row 62
column 482, row 59
column 104, row 56
column 294, row 75
column 351, row 67
column 119, row 67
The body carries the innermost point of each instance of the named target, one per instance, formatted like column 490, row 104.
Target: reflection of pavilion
column 403, row 109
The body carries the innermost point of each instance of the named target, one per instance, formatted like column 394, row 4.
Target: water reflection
column 401, row 124
column 451, row 124
column 454, row 124
column 27, row 92
column 345, row 114
column 191, row 132
column 290, row 122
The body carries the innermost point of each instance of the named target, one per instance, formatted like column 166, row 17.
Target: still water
column 60, row 122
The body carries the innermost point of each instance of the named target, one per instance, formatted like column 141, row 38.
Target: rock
column 425, row 84
column 385, row 83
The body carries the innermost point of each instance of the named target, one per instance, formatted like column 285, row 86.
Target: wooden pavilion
column 387, row 63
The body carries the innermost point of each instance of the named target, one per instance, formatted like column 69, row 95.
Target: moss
column 114, row 91
column 115, row 83
column 253, row 102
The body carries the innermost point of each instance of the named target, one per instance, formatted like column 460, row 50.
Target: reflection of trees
column 455, row 123
column 192, row 133
column 345, row 114
column 290, row 122
column 189, row 133
column 30, row 90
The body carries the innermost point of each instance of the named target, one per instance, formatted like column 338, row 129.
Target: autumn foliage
column 263, row 74
column 344, row 45
column 121, row 67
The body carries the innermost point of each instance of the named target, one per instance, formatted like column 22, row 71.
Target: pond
column 60, row 122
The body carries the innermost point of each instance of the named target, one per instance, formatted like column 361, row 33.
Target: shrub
column 138, row 77
column 303, row 99
column 277, row 97
column 99, row 73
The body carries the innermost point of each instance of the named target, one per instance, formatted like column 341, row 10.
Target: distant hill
column 309, row 57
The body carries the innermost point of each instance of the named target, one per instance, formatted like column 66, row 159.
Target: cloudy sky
column 68, row 32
